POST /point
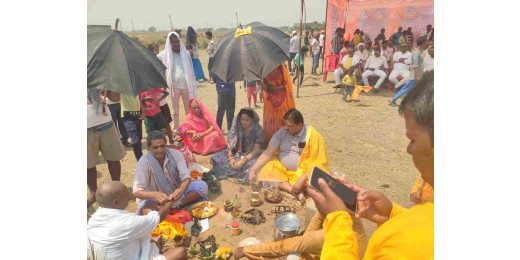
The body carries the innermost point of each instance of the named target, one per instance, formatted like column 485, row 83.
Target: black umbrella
column 119, row 63
column 250, row 56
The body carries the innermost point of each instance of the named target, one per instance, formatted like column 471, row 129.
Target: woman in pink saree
column 200, row 131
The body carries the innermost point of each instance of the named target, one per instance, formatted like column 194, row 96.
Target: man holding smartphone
column 402, row 233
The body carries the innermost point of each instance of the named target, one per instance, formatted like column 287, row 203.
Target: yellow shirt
column 408, row 234
column 426, row 191
column 349, row 80
column 129, row 103
column 356, row 39
column 348, row 62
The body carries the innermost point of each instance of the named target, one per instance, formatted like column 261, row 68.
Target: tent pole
column 325, row 39
column 299, row 52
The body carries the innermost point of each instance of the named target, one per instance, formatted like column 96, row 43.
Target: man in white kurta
column 402, row 60
column 375, row 65
column 114, row 233
column 179, row 74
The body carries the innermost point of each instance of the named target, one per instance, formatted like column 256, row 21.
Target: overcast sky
column 199, row 13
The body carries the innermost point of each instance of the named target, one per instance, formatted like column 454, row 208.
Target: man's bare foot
column 257, row 105
column 91, row 198
column 239, row 253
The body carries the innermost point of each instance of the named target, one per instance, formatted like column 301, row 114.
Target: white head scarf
column 167, row 60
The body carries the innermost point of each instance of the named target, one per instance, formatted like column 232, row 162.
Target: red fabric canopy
column 372, row 15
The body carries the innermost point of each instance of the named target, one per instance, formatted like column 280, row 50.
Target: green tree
column 152, row 29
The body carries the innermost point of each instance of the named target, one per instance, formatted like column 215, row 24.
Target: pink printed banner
column 372, row 15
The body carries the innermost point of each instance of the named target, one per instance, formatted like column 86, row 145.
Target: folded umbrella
column 251, row 53
column 119, row 63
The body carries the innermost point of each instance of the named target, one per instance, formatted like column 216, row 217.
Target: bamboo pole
column 325, row 39
column 299, row 52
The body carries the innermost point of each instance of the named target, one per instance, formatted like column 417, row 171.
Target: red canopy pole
column 299, row 51
column 325, row 39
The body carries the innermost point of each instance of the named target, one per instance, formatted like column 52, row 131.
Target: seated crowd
column 163, row 182
column 382, row 61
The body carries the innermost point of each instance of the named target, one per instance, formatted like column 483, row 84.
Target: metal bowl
column 287, row 222
column 286, row 225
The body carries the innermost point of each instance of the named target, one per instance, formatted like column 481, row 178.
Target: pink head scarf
column 192, row 122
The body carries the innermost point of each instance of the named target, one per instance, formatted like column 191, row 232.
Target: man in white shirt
column 322, row 40
column 102, row 136
column 388, row 51
column 361, row 53
column 375, row 65
column 162, row 175
column 428, row 60
column 179, row 74
column 402, row 60
column 429, row 32
column 294, row 45
column 212, row 47
column 114, row 233
column 315, row 48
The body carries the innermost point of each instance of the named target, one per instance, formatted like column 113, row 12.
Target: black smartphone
column 346, row 194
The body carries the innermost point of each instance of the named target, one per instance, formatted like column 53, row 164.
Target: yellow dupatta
column 314, row 154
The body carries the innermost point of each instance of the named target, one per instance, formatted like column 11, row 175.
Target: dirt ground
column 366, row 143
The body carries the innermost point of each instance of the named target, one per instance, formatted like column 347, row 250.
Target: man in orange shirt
column 402, row 233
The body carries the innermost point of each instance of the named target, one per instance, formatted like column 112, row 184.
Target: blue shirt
column 221, row 86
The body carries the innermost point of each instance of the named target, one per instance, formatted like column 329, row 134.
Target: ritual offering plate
column 204, row 209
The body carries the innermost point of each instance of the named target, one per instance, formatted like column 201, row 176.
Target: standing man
column 132, row 117
column 357, row 37
column 101, row 136
column 226, row 101
column 294, row 46
column 409, row 36
column 402, row 60
column 416, row 69
column 387, row 51
column 337, row 41
column 115, row 111
column 322, row 40
column 212, row 47
column 428, row 59
column 315, row 50
column 429, row 32
column 396, row 36
column 366, row 37
column 179, row 75
column 376, row 65
column 381, row 36
column 306, row 39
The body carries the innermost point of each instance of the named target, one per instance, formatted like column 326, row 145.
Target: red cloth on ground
column 178, row 216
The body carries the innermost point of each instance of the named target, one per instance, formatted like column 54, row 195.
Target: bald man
column 114, row 233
